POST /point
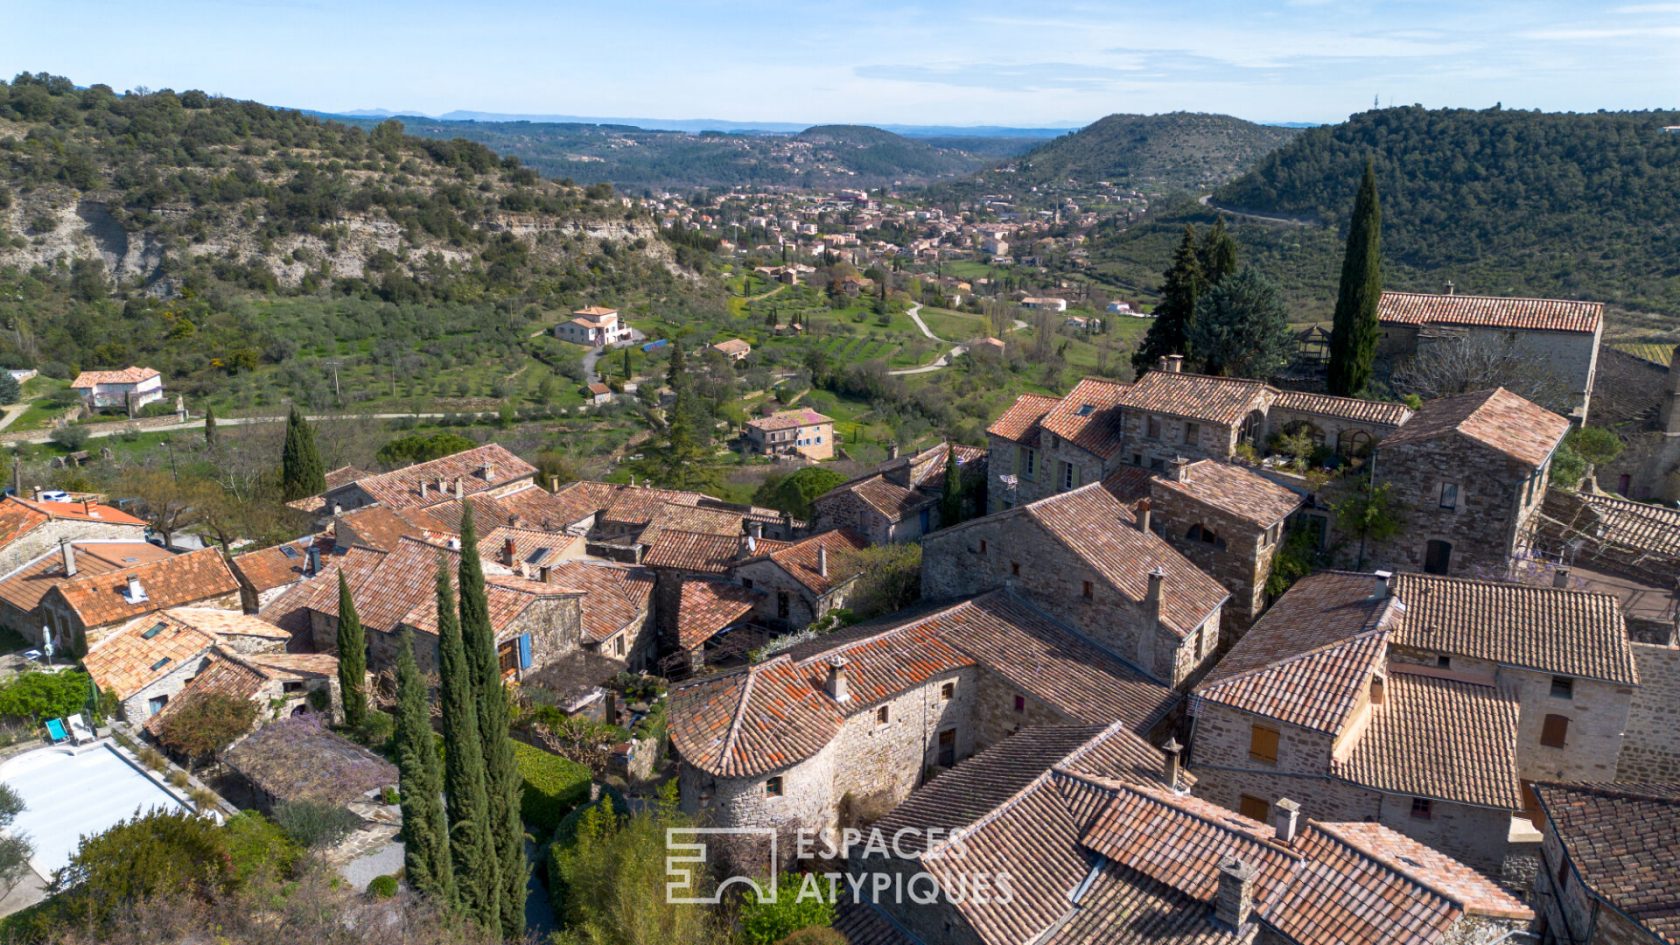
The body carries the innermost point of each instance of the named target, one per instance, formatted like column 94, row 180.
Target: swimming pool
column 68, row 793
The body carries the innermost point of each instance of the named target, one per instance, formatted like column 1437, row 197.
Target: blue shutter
column 524, row 651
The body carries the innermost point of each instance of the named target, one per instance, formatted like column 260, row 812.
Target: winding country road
column 943, row 361
column 1206, row 200
column 45, row 436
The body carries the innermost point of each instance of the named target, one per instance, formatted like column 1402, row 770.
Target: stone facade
column 1233, row 551
column 1153, row 440
column 788, row 605
column 554, row 624
column 1570, row 357
column 66, row 624
column 1651, row 748
column 1568, row 911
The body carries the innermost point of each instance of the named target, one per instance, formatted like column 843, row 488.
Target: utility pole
column 338, row 399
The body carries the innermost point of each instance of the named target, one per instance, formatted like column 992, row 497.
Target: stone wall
column 1055, row 458
column 1651, row 747
column 1207, row 441
column 1241, row 566
column 45, row 538
column 803, row 607
column 1492, row 520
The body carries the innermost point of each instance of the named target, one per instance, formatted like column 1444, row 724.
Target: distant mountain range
column 698, row 125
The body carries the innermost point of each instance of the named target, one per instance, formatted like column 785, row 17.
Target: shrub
column 256, row 845
column 767, row 922
column 383, row 887
column 814, row 935
column 389, row 797
column 153, row 759
column 203, row 799
column 206, row 723
column 149, row 855
column 313, row 824
column 376, row 730
column 69, row 438
column 178, row 778
column 414, row 448
column 43, row 695
column 552, row 786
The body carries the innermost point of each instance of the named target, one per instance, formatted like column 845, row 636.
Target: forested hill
column 1532, row 203
column 163, row 190
column 637, row 160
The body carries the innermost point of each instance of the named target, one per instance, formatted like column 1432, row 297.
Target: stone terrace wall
column 1651, row 747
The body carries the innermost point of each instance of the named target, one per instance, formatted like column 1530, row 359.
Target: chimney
column 35, row 492
column 1560, row 577
column 313, row 557
column 135, row 591
column 1171, row 363
column 1233, row 903
column 1670, row 410
column 1178, row 469
column 69, row 557
column 1169, row 768
column 87, row 507
column 837, row 681
column 756, row 529
column 892, row 450
column 822, row 560
column 545, row 573
column 554, row 483
column 1449, row 287
column 460, row 488
column 338, row 509
column 1143, row 515
column 1385, row 583
column 1146, row 639
column 510, row 551
column 1286, row 819
column 1379, row 690
column 425, row 490
column 443, row 486
column 751, row 545
column 487, row 472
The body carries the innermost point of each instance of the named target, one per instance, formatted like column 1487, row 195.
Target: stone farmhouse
column 1607, row 872
column 1425, row 703
column 1040, row 446
column 129, row 389
column 22, row 590
column 594, row 327
column 266, row 573
column 1082, row 557
column 860, row 717
column 799, row 432
column 81, row 610
column 899, row 501
column 488, row 470
column 1554, row 335
column 29, row 528
column 1102, row 848
column 800, row 582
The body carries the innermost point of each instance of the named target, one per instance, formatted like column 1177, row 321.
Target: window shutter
column 524, row 651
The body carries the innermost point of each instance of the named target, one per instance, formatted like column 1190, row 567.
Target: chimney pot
column 892, row 450
column 1173, row 363
column 69, row 552
column 1144, row 513
column 135, row 592
column 1179, row 469
column 1286, row 820
column 313, row 559
column 554, row 483
column 1233, row 903
column 425, row 489
column 487, row 472
column 1387, row 581
column 1450, row 290
column 822, row 560
column 1379, row 687
column 838, row 683
column 510, row 551
column 756, row 529
column 460, row 488
column 545, row 573
column 1560, row 577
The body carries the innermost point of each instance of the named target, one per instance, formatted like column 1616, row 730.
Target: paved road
column 45, row 436
column 1207, row 201
column 943, row 361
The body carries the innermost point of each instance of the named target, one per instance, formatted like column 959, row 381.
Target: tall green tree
column 1353, row 331
column 1169, row 332
column 951, row 498
column 502, row 782
column 425, row 829
column 352, row 656
column 1242, row 328
column 301, row 473
column 472, row 853
column 1218, row 254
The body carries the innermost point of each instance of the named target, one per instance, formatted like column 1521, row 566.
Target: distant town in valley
column 500, row 528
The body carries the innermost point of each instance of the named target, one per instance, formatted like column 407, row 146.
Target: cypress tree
column 951, row 499
column 425, row 830
column 1353, row 332
column 506, row 833
column 301, row 474
column 1218, row 254
column 1169, row 333
column 352, row 657
column 210, row 427
column 468, row 806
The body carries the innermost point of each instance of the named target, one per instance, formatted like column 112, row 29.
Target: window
column 1014, row 569
column 1443, row 662
column 618, row 645
column 948, row 748
column 948, row 690
column 161, row 664
column 1068, row 476
column 1449, row 495
column 1085, row 590
column 1263, row 744
column 773, row 786
column 1423, row 808
column 1029, row 462
column 1020, row 703
column 155, row 704
column 1563, row 687
column 1254, row 808
column 1137, row 459
column 1555, row 732
column 1192, row 432
column 153, row 631
column 881, row 715
column 507, row 659
column 1153, row 425
column 746, row 583
column 290, row 688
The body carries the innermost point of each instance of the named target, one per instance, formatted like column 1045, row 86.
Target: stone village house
column 1607, row 872
column 81, row 610
column 900, row 499
column 30, row 529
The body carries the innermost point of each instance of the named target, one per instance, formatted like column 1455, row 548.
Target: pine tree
column 951, row 499
column 1218, row 254
column 352, row 657
column 210, row 428
column 301, row 474
column 1353, row 332
column 425, row 831
column 1169, row 333
column 502, row 782
column 471, row 853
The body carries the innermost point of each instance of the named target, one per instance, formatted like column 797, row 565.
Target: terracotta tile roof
column 100, row 599
column 614, row 595
column 576, row 501
column 1497, row 419
column 17, row 518
column 1094, row 525
column 1483, row 311
column 1020, row 422
column 133, row 657
column 691, row 551
column 789, row 419
column 693, row 519
column 1089, row 416
column 1235, row 491
column 317, row 504
column 382, row 528
column 16, row 512
column 1121, row 906
column 776, row 713
column 1343, row 408
column 1618, row 521
column 1222, row 400
column 1307, row 659
column 127, row 375
column 800, row 559
column 707, row 607
column 594, row 313
column 269, row 568
column 1128, row 484
column 222, row 676
column 733, row 346
column 24, row 587
column 637, row 505
column 1545, row 629
column 863, row 923
column 401, row 488
column 1619, row 840
column 532, row 549
column 1120, row 754
column 1424, row 865
column 1439, row 737
column 1340, row 895
column 219, row 623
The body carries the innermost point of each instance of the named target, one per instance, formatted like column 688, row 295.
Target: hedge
column 553, row 786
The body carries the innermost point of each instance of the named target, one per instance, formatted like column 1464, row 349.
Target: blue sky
column 1022, row 62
